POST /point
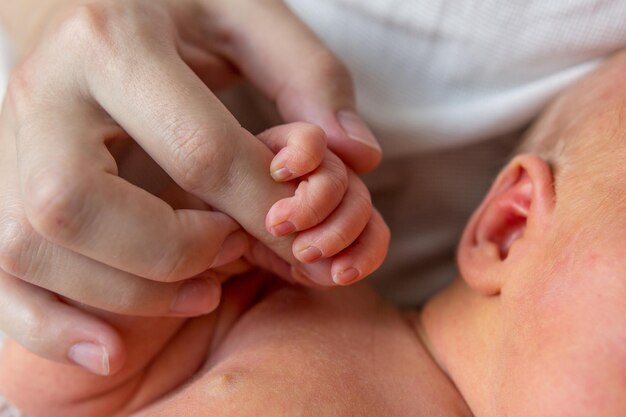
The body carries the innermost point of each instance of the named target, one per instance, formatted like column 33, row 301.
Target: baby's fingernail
column 356, row 129
column 310, row 254
column 346, row 277
column 282, row 174
column 283, row 229
column 91, row 356
column 195, row 297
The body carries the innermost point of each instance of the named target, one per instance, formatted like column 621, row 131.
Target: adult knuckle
column 100, row 32
column 22, row 85
column 15, row 238
column 85, row 24
column 175, row 264
column 55, row 203
column 141, row 297
column 201, row 157
column 34, row 326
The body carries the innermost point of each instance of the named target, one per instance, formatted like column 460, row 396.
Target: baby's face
column 561, row 318
column 563, row 332
column 550, row 340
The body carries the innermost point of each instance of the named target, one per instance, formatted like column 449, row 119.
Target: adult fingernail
column 283, row 229
column 346, row 277
column 195, row 297
column 310, row 254
column 282, row 174
column 91, row 356
column 356, row 129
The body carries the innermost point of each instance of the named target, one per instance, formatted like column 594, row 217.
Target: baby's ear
column 516, row 210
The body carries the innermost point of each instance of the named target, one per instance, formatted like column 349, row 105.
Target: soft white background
column 5, row 63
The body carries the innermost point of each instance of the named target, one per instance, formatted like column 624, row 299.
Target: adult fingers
column 26, row 255
column 35, row 260
column 73, row 197
column 284, row 59
column 189, row 133
column 233, row 248
column 40, row 322
column 184, row 128
column 365, row 255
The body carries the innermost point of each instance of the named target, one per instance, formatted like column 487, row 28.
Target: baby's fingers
column 314, row 200
column 46, row 326
column 300, row 149
column 365, row 255
column 340, row 229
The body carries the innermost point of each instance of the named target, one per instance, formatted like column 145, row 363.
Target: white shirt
column 431, row 74
column 447, row 85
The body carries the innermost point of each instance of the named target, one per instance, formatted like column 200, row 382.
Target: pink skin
column 92, row 75
column 510, row 337
column 204, row 290
column 534, row 325
column 267, row 350
column 331, row 208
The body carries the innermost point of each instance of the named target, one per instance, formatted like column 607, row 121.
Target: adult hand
column 106, row 70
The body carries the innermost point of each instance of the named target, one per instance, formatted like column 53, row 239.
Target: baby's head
column 536, row 325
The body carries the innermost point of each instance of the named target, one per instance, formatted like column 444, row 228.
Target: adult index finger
column 189, row 133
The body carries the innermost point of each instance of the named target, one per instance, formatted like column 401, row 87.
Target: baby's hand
column 331, row 208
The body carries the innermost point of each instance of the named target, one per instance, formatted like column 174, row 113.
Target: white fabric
column 436, row 73
column 447, row 85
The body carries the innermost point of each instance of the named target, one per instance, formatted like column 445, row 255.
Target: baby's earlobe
column 519, row 199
